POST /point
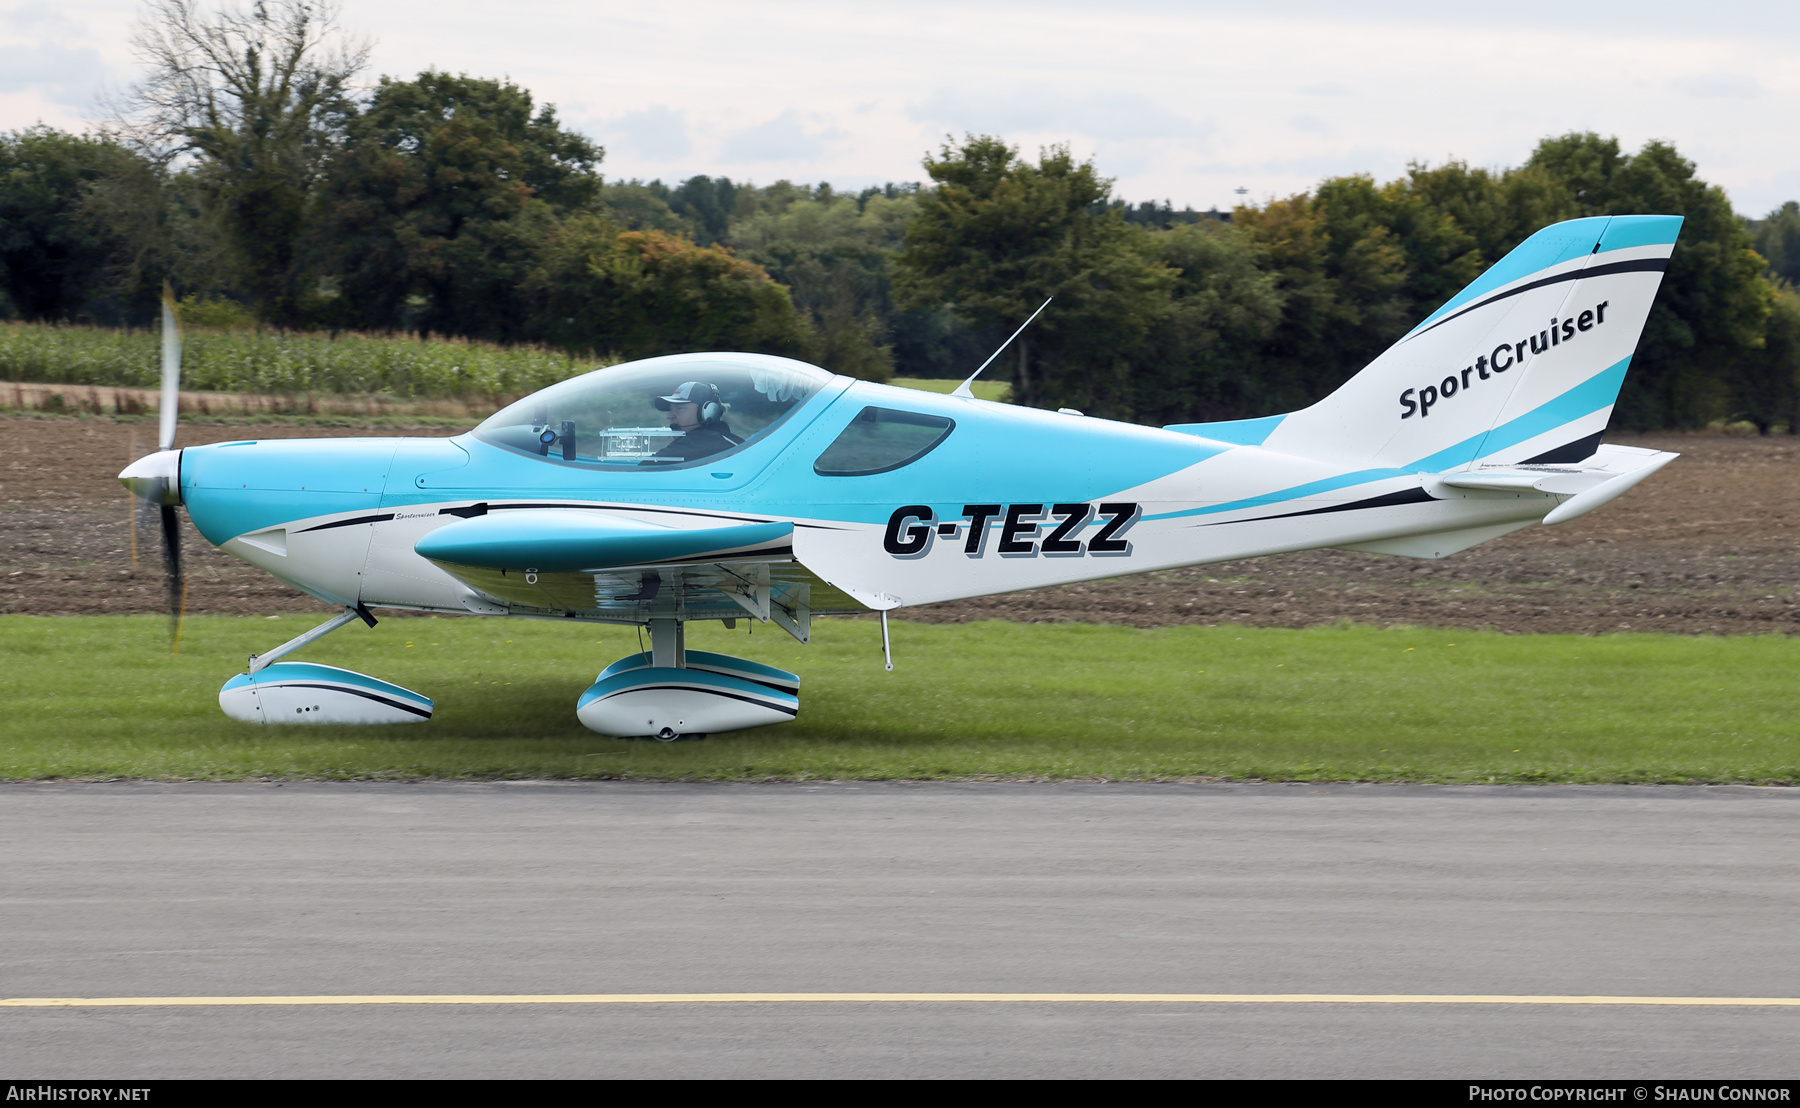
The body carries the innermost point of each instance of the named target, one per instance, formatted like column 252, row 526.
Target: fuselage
column 1010, row 498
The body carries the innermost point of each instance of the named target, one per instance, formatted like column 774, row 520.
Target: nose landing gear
column 307, row 692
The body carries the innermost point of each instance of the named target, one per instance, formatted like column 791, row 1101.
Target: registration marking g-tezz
column 1025, row 530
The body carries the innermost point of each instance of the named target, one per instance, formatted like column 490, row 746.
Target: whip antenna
column 963, row 389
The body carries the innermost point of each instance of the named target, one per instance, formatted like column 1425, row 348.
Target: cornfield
column 284, row 363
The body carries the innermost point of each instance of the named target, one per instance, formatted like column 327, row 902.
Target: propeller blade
column 171, row 371
column 171, row 531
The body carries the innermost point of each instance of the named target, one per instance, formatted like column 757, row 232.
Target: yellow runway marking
column 897, row 998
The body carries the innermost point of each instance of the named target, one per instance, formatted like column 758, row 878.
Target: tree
column 1765, row 382
column 639, row 206
column 1499, row 210
column 1356, row 265
column 998, row 235
column 255, row 99
column 1203, row 360
column 641, row 293
column 707, row 204
column 832, row 253
column 61, row 258
column 1778, row 241
column 435, row 209
column 1714, row 301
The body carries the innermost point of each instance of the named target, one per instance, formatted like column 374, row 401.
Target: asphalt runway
column 140, row 890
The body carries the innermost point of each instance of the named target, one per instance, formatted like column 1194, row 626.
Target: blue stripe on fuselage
column 1593, row 394
column 1238, row 432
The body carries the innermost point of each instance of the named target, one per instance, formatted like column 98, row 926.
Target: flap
column 568, row 540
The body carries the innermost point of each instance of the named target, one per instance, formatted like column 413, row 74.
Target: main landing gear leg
column 668, row 643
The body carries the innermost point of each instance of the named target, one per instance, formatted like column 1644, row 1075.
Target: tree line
column 1275, row 308
column 251, row 172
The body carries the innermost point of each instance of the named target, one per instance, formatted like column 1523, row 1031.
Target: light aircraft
column 741, row 486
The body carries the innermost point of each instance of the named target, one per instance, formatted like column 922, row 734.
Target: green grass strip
column 997, row 390
column 100, row 697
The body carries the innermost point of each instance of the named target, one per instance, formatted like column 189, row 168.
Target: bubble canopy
column 618, row 417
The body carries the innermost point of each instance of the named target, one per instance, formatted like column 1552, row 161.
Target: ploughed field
column 1707, row 546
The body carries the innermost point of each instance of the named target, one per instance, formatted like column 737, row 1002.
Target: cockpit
column 660, row 412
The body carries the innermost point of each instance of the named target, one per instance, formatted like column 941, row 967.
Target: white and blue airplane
column 742, row 486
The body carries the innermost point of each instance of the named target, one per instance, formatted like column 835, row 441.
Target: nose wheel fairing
column 307, row 692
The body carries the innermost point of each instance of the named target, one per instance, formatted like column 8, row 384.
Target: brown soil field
column 1707, row 546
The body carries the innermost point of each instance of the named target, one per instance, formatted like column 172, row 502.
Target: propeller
column 157, row 477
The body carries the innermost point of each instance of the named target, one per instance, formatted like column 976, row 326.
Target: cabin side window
column 879, row 440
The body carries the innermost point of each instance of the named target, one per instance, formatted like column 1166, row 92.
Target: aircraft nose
column 155, row 477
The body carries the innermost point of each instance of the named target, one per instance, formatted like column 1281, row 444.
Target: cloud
column 658, row 133
column 1712, row 85
column 1363, row 159
column 1326, row 88
column 29, row 19
column 1311, row 124
column 1100, row 114
column 67, row 76
column 782, row 139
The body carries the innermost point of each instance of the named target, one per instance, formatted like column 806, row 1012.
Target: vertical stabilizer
column 1523, row 366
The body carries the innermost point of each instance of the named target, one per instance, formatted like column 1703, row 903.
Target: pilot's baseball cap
column 690, row 392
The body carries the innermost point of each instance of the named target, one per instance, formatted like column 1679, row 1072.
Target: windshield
column 660, row 412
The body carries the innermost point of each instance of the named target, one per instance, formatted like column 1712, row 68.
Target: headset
column 710, row 410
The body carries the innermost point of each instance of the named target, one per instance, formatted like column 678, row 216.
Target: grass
column 100, row 697
column 984, row 390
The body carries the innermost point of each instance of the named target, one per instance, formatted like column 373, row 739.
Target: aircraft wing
column 560, row 561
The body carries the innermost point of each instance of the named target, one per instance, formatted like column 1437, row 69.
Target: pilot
column 697, row 412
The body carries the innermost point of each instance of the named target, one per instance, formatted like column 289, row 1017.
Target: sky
column 1187, row 102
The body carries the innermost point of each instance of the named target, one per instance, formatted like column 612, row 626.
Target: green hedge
column 274, row 362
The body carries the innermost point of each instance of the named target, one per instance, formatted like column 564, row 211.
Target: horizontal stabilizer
column 567, row 540
column 1537, row 479
column 1611, row 470
column 1608, row 490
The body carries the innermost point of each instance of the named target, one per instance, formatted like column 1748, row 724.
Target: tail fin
column 1521, row 367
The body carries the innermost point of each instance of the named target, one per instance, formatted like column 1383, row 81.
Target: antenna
column 962, row 390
